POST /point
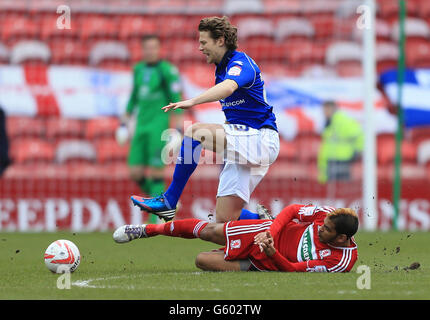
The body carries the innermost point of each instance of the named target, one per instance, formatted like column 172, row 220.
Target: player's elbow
column 230, row 86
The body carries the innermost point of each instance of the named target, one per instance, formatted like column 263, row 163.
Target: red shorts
column 239, row 236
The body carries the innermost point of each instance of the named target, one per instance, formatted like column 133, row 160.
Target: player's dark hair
column 220, row 27
column 345, row 221
column 150, row 36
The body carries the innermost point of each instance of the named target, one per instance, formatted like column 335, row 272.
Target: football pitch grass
column 162, row 268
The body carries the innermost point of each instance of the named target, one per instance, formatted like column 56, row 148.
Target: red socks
column 186, row 228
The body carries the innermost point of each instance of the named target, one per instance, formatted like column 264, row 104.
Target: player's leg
column 214, row 261
column 197, row 136
column 249, row 153
column 186, row 228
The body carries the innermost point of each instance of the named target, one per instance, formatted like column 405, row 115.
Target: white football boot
column 129, row 232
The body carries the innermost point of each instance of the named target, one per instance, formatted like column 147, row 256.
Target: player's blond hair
column 220, row 27
column 345, row 221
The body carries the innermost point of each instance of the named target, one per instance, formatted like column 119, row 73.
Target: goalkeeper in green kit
column 156, row 83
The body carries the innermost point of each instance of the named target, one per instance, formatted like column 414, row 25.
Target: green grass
column 163, row 268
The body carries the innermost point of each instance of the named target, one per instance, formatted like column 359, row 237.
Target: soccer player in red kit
column 300, row 239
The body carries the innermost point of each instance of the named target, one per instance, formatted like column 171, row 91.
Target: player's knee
column 203, row 261
column 208, row 232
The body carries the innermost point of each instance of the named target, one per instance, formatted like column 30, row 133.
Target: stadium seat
column 343, row 51
column 387, row 54
column 418, row 54
column 68, row 51
column 288, row 151
column 109, row 54
column 423, row 152
column 263, row 49
column 304, row 52
column 249, row 28
column 235, row 7
column 389, row 10
column 108, row 150
column 386, row 149
column 307, row 146
column 195, row 72
column 75, row 151
column 136, row 26
column 345, row 57
column 318, row 71
column 27, row 51
column 103, row 127
column 418, row 134
column 64, row 128
column 20, row 127
column 184, row 50
column 49, row 29
column 324, row 26
column 98, row 27
column 415, row 28
column 4, row 54
column 26, row 151
column 382, row 29
column 290, row 28
column 177, row 26
column 17, row 28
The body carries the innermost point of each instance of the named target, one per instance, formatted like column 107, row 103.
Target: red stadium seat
column 307, row 146
column 108, row 54
column 108, row 150
column 49, row 29
column 75, row 151
column 418, row 134
column 183, row 50
column 136, row 27
column 293, row 28
column 288, row 151
column 418, row 54
column 19, row 28
column 19, row 127
column 386, row 150
column 61, row 128
column 255, row 27
column 178, row 26
column 68, row 51
column 423, row 152
column 345, row 57
column 30, row 51
column 98, row 27
column 324, row 26
column 387, row 54
column 199, row 73
column 31, row 151
column 103, row 127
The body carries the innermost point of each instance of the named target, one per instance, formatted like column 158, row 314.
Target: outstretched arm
column 220, row 91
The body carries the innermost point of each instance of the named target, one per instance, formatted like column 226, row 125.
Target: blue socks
column 188, row 159
column 247, row 215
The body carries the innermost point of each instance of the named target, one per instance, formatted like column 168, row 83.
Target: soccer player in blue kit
column 249, row 139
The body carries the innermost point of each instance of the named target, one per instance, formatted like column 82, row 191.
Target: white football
column 62, row 256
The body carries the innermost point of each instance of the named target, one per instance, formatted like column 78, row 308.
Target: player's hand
column 179, row 105
column 266, row 243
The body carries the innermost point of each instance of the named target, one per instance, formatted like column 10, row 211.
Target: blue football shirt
column 248, row 104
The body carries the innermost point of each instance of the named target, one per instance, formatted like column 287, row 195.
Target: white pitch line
column 88, row 284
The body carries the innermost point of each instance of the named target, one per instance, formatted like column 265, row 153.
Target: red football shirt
column 298, row 248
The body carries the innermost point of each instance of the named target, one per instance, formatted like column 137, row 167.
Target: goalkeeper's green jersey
column 154, row 86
